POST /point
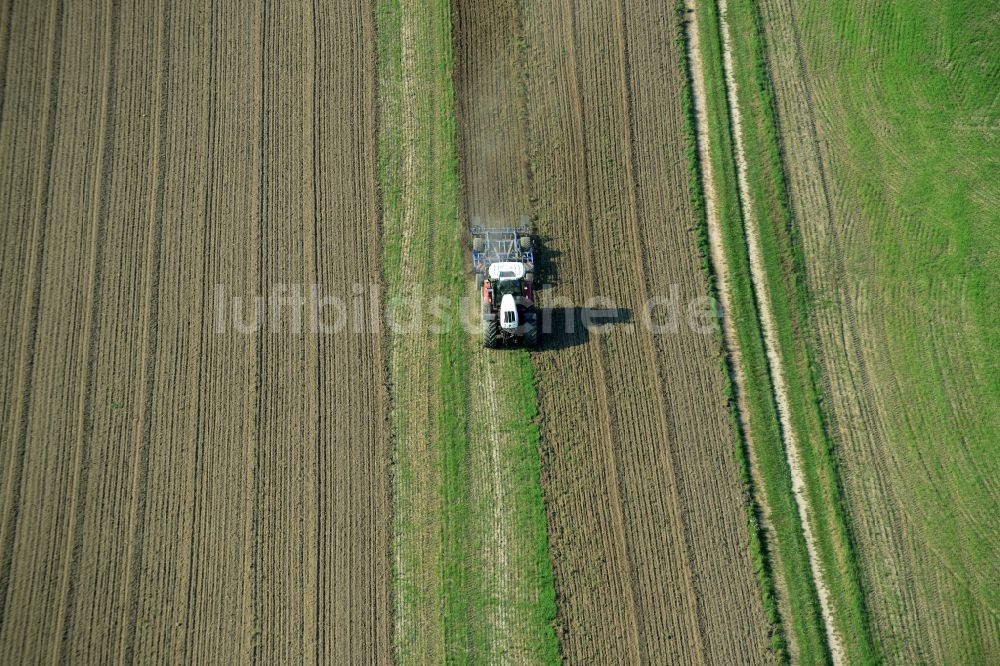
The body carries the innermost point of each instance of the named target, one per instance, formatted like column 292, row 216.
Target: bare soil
column 174, row 489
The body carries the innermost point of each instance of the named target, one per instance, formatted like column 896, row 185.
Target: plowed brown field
column 173, row 489
column 571, row 113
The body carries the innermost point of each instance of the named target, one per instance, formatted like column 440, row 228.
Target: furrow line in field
column 312, row 453
column 141, row 437
column 195, row 458
column 6, row 23
column 261, row 143
column 18, row 437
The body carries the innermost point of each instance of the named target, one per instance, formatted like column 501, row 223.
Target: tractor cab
column 508, row 278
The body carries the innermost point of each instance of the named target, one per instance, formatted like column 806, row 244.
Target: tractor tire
column 490, row 333
column 525, row 242
column 478, row 244
column 531, row 337
column 529, row 277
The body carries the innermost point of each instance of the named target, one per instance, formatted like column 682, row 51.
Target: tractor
column 504, row 262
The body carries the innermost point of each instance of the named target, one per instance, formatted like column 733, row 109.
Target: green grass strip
column 531, row 523
column 431, row 201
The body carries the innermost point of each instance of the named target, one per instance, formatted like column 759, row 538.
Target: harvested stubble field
column 174, row 489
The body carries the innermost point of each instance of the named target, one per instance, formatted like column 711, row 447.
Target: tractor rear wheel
column 525, row 242
column 531, row 336
column 477, row 244
column 490, row 331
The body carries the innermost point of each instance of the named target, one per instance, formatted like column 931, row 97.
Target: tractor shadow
column 571, row 326
column 546, row 263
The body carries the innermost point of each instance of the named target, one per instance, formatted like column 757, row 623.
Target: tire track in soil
column 86, row 350
column 490, row 478
column 759, row 280
column 493, row 146
column 493, row 162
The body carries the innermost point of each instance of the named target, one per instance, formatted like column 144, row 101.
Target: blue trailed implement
column 500, row 244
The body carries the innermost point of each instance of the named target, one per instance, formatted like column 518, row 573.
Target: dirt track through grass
column 173, row 490
column 774, row 358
